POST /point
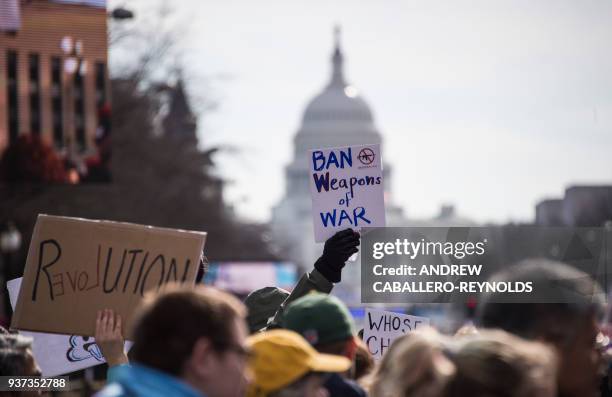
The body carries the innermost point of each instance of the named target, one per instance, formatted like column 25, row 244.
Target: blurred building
column 173, row 114
column 54, row 81
column 180, row 120
column 581, row 206
column 175, row 119
column 242, row 278
column 549, row 212
column 337, row 117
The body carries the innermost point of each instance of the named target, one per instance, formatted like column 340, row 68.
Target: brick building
column 53, row 72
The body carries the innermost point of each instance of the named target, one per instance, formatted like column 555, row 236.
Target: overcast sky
column 489, row 105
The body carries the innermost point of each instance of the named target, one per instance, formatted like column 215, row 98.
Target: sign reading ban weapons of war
column 347, row 189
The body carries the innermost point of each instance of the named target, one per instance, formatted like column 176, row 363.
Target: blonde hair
column 414, row 365
column 491, row 363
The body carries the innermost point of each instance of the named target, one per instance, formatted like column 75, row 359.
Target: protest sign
column 347, row 189
column 58, row 354
column 382, row 328
column 76, row 267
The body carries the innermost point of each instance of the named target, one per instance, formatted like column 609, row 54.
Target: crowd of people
column 200, row 341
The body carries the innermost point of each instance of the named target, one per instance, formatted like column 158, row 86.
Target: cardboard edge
column 17, row 313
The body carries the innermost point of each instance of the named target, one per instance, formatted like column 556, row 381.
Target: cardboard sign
column 382, row 328
column 58, row 354
column 76, row 267
column 347, row 189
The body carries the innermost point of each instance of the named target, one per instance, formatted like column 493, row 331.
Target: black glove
column 338, row 248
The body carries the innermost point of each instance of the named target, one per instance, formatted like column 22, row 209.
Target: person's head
column 364, row 362
column 196, row 334
column 496, row 363
column 492, row 363
column 570, row 324
column 324, row 321
column 16, row 359
column 285, row 365
column 262, row 304
column 466, row 330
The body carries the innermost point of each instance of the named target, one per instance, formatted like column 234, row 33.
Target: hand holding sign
column 109, row 337
column 337, row 250
column 347, row 189
column 58, row 354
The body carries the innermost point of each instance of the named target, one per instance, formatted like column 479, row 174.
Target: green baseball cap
column 319, row 318
column 263, row 304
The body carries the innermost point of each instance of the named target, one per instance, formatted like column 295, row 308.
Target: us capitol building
column 336, row 117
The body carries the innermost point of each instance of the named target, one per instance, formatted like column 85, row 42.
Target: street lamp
column 119, row 31
column 121, row 13
column 10, row 239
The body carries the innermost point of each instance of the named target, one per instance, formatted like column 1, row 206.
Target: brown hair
column 337, row 348
column 492, row 363
column 169, row 323
column 364, row 362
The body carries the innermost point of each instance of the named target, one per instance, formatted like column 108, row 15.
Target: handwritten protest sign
column 76, row 267
column 347, row 191
column 383, row 327
column 58, row 354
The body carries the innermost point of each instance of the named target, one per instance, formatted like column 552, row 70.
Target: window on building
column 12, row 94
column 100, row 84
column 79, row 110
column 34, row 73
column 103, row 111
column 56, row 102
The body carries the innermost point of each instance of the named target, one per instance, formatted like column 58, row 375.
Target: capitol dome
column 337, row 117
column 339, row 101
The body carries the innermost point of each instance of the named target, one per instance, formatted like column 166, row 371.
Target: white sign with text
column 347, row 189
column 382, row 327
column 58, row 354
